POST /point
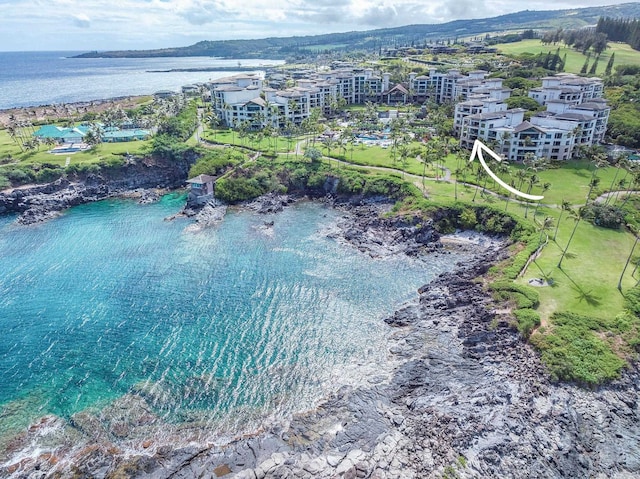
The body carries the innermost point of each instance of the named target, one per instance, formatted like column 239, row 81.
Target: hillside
column 283, row 47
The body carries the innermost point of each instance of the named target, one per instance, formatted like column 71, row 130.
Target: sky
column 31, row 25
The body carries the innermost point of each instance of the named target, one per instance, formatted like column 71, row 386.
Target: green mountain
column 283, row 47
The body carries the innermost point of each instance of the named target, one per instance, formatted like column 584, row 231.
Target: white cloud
column 81, row 20
column 138, row 24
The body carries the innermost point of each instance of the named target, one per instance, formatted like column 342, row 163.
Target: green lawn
column 267, row 145
column 624, row 54
column 8, row 148
column 587, row 283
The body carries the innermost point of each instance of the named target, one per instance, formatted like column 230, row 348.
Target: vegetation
column 373, row 40
column 587, row 349
column 575, row 59
column 170, row 141
column 216, row 162
column 302, row 175
column 624, row 120
column 625, row 30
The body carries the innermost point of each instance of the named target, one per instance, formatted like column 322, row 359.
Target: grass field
column 624, row 54
column 9, row 149
column 267, row 145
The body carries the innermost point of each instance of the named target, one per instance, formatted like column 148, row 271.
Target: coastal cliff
column 35, row 203
column 461, row 396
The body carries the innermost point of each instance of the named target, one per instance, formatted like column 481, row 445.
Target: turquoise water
column 234, row 322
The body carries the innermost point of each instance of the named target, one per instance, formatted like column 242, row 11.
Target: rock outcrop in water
column 463, row 396
column 41, row 202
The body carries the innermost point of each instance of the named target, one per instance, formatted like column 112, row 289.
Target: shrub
column 605, row 216
column 47, row 175
column 113, row 162
column 520, row 259
column 350, row 182
column 528, row 320
column 215, row 162
column 467, row 219
column 235, row 189
column 632, row 300
column 573, row 351
column 18, row 176
column 524, row 296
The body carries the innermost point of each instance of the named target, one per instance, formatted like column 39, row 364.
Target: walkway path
column 605, row 196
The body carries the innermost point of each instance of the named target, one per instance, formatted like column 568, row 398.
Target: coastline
column 463, row 395
column 41, row 113
column 36, row 203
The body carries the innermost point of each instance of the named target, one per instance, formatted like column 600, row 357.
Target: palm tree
column 214, row 122
column 628, row 260
column 480, row 173
column 243, row 130
column 566, row 206
column 313, row 154
column 289, row 128
column 546, row 225
column 426, row 157
column 404, row 156
column 533, row 180
column 613, row 182
column 595, row 181
column 521, row 175
column 268, row 133
column 457, row 172
column 545, row 188
column 578, row 216
column 349, row 136
column 328, row 143
column 276, row 135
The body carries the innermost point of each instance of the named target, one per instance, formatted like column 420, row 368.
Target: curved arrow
column 478, row 148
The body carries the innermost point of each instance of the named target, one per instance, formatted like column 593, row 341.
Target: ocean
column 45, row 78
column 228, row 327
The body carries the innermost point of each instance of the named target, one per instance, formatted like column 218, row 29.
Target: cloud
column 139, row 24
column 81, row 20
column 201, row 12
column 379, row 15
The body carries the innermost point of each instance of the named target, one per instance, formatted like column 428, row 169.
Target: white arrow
column 478, row 148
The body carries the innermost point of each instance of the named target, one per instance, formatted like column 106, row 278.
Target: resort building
column 61, row 134
column 245, row 98
column 568, row 87
column 76, row 134
column 454, row 86
column 576, row 116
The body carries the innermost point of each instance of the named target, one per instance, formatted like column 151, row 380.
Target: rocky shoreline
column 467, row 399
column 464, row 397
column 140, row 178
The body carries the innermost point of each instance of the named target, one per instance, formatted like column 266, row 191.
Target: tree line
column 583, row 40
column 620, row 30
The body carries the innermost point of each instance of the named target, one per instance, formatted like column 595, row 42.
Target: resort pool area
column 375, row 140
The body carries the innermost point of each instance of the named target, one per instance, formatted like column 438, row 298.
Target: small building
column 190, row 90
column 61, row 134
column 200, row 189
column 161, row 94
column 117, row 135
